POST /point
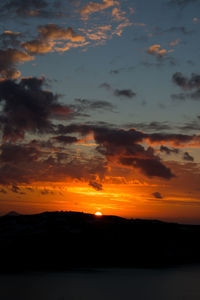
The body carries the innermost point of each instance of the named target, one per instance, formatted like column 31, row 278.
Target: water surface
column 181, row 283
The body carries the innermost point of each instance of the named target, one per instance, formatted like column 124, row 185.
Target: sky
column 99, row 107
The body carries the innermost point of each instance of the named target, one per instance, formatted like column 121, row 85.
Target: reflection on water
column 114, row 284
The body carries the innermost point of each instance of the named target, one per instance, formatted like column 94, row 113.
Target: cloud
column 118, row 15
column 151, row 167
column 16, row 189
column 192, row 125
column 129, row 137
column 26, row 164
column 179, row 97
column 98, row 33
column 97, row 186
column 52, row 37
column 174, row 42
column 188, row 157
column 115, row 71
column 187, row 84
column 9, row 39
column 122, row 147
column 181, row 2
column 33, row 8
column 195, row 20
column 157, row 51
column 157, row 195
column 9, row 58
column 106, row 86
column 26, row 107
column 158, row 126
column 38, row 161
column 176, row 139
column 124, row 93
column 94, row 7
column 126, row 147
column 168, row 151
column 21, row 7
column 66, row 139
column 3, row 191
column 46, row 192
column 11, row 153
column 173, row 29
column 83, row 105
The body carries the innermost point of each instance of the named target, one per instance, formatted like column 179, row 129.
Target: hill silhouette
column 64, row 240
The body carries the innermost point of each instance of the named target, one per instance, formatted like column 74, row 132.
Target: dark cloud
column 24, row 164
column 188, row 157
column 151, row 167
column 157, row 126
column 179, row 97
column 185, row 96
column 9, row 59
column 117, row 137
column 187, row 84
column 106, row 85
column 176, row 139
column 46, row 192
column 124, row 93
column 115, row 71
column 122, row 146
column 193, row 125
column 168, row 150
column 16, row 189
column 26, row 107
column 82, row 129
column 97, row 186
column 66, row 139
column 33, row 8
column 160, row 62
column 174, row 29
column 157, row 195
column 9, row 39
column 11, row 153
column 43, row 161
column 82, row 107
column 182, row 2
column 126, row 137
column 2, row 191
column 126, row 146
column 89, row 104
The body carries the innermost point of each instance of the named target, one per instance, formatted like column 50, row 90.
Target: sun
column 98, row 214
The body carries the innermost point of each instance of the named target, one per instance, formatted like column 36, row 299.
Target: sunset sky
column 99, row 107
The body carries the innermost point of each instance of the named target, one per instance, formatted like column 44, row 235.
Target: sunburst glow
column 98, row 214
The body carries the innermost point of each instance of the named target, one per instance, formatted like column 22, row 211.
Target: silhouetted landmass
column 65, row 240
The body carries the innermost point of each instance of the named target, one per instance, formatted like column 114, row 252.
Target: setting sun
column 98, row 213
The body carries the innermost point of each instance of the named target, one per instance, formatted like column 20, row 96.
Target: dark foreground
column 61, row 241
column 180, row 283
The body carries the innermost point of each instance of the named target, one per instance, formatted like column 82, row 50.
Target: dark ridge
column 65, row 240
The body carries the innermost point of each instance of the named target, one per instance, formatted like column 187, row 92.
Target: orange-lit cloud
column 174, row 42
column 93, row 7
column 195, row 20
column 52, row 35
column 156, row 50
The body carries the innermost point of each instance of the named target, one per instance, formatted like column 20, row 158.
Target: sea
column 177, row 283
